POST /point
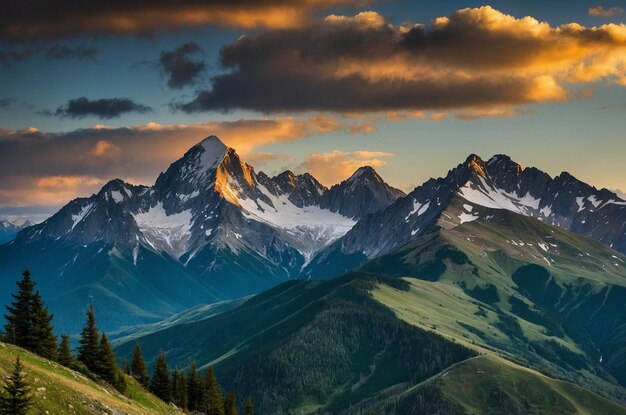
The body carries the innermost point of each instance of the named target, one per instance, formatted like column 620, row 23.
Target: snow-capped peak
column 213, row 152
column 365, row 172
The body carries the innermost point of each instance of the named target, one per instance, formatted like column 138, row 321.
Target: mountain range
column 211, row 228
column 475, row 190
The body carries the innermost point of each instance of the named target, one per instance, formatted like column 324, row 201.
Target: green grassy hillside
column 334, row 347
column 539, row 295
column 489, row 385
column 58, row 390
column 308, row 345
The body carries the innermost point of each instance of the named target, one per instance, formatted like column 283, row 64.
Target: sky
column 121, row 89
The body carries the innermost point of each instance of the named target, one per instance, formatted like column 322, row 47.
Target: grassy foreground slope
column 58, row 390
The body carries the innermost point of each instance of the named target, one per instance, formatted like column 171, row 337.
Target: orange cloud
column 44, row 18
column 600, row 11
column 335, row 166
column 47, row 190
column 51, row 168
column 104, row 148
column 474, row 58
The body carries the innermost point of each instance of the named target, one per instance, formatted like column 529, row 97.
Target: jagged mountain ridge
column 471, row 191
column 9, row 227
column 210, row 224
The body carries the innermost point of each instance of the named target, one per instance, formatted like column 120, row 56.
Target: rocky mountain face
column 473, row 190
column 363, row 193
column 210, row 222
column 10, row 227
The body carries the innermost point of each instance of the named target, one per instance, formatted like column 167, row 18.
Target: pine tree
column 160, row 384
column 65, row 356
column 249, row 407
column 138, row 367
column 230, row 404
column 179, row 389
column 89, row 345
column 19, row 321
column 15, row 399
column 45, row 342
column 194, row 389
column 214, row 403
column 106, row 367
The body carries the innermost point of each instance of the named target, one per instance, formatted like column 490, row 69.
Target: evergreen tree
column 179, row 389
column 214, row 404
column 138, row 367
column 194, row 389
column 89, row 345
column 160, row 384
column 65, row 356
column 106, row 368
column 230, row 404
column 44, row 340
column 15, row 399
column 18, row 326
column 249, row 407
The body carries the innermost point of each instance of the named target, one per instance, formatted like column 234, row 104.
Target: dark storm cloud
column 51, row 18
column 104, row 108
column 179, row 65
column 473, row 58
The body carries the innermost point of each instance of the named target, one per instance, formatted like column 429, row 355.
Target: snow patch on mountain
column 418, row 208
column 169, row 233
column 310, row 227
column 466, row 217
column 82, row 214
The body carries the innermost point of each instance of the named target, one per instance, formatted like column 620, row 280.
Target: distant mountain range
column 11, row 226
column 212, row 228
column 475, row 190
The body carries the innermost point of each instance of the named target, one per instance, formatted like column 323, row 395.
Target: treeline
column 29, row 325
column 189, row 391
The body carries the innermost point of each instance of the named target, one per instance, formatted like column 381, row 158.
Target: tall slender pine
column 107, row 368
column 43, row 339
column 179, row 389
column 15, row 398
column 89, row 348
column 214, row 403
column 18, row 326
column 160, row 383
column 194, row 389
column 65, row 356
column 138, row 368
